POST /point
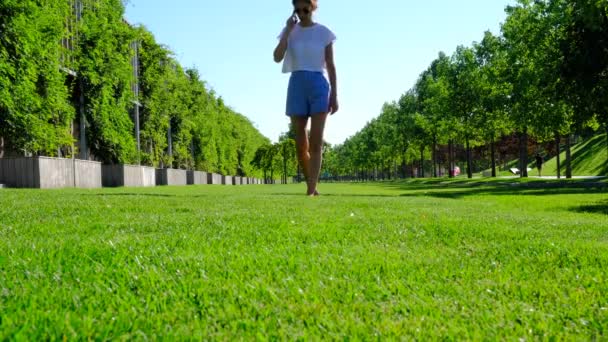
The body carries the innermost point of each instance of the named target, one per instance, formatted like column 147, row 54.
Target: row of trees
column 278, row 159
column 544, row 78
column 94, row 80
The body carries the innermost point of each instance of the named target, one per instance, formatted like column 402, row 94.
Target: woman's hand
column 333, row 104
column 279, row 51
column 291, row 23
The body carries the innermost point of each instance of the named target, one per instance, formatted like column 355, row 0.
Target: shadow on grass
column 337, row 195
column 127, row 194
column 504, row 191
column 522, row 183
column 598, row 208
column 457, row 190
column 454, row 189
column 596, row 146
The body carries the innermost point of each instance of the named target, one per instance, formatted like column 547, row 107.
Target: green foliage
column 492, row 120
column 39, row 94
column 206, row 134
column 35, row 110
column 433, row 102
column 279, row 158
column 545, row 76
column 584, row 46
column 155, row 61
column 289, row 161
column 269, row 159
column 104, row 68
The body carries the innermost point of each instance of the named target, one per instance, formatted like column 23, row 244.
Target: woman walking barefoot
column 306, row 49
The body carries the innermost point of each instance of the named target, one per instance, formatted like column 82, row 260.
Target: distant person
column 539, row 164
column 306, row 49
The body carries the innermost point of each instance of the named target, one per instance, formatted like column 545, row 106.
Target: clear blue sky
column 381, row 49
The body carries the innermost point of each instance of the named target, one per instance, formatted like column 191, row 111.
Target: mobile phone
column 295, row 16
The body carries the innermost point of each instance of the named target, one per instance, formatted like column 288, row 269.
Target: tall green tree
column 584, row 47
column 35, row 102
column 287, row 152
column 433, row 93
column 492, row 119
column 104, row 69
column 522, row 75
column 465, row 84
column 405, row 125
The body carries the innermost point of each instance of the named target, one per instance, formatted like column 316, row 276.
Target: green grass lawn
column 424, row 259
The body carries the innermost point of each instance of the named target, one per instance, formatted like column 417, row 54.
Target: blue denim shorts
column 307, row 94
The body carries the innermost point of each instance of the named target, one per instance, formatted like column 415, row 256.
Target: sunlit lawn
column 369, row 261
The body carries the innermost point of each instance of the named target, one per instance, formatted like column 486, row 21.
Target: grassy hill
column 589, row 158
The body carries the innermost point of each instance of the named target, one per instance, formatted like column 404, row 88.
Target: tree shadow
column 602, row 169
column 438, row 183
column 497, row 183
column 595, row 146
column 440, row 188
column 505, row 191
column 126, row 194
column 338, row 195
column 597, row 208
column 583, row 159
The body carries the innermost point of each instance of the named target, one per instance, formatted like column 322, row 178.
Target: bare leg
column 302, row 145
column 317, row 127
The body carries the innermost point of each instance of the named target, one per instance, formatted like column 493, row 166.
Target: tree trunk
column 558, row 158
column 451, row 158
column 568, row 157
column 421, row 171
column 170, row 143
column 469, row 163
column 284, row 164
column 405, row 163
column 395, row 170
column 298, row 172
column 83, row 126
column 493, row 156
column 606, row 164
column 523, row 154
column 435, row 156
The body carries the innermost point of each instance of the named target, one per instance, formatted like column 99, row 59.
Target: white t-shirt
column 306, row 48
